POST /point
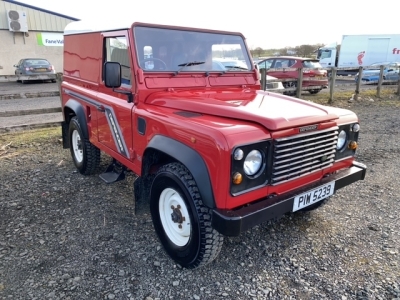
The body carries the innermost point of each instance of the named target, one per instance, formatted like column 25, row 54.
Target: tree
column 257, row 52
column 305, row 50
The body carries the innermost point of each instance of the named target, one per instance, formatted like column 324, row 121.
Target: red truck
column 214, row 154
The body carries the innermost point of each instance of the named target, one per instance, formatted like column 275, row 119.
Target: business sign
column 50, row 39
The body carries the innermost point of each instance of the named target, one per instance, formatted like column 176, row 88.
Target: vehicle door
column 285, row 71
column 266, row 64
column 114, row 112
column 19, row 67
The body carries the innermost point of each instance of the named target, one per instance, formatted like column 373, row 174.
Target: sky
column 265, row 23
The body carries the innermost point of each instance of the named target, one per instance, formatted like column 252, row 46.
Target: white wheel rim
column 174, row 217
column 77, row 146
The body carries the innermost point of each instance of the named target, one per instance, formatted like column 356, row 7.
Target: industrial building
column 27, row 31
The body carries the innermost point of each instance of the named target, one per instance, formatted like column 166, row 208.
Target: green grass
column 27, row 141
column 30, row 136
column 388, row 97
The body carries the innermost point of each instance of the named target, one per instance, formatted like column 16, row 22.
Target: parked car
column 34, row 69
column 274, row 85
column 285, row 67
column 372, row 72
column 392, row 75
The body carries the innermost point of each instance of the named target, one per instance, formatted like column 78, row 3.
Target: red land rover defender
column 215, row 154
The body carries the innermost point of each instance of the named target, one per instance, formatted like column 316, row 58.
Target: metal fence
column 380, row 81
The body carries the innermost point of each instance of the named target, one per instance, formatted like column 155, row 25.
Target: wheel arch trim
column 192, row 160
column 79, row 111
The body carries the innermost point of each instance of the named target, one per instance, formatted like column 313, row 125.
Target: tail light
column 50, row 68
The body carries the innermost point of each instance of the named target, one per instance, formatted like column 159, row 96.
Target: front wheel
column 181, row 221
column 85, row 155
column 315, row 205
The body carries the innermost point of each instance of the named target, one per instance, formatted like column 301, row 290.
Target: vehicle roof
column 289, row 57
column 97, row 26
column 35, row 58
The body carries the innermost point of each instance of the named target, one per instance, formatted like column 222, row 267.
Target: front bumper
column 37, row 77
column 233, row 222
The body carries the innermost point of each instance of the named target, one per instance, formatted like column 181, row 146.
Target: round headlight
column 253, row 162
column 356, row 127
column 341, row 140
column 238, row 154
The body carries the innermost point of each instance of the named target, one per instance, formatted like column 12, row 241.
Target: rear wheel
column 290, row 84
column 181, row 221
column 85, row 155
column 312, row 92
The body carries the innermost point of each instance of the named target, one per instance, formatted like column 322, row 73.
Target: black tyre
column 315, row 205
column 85, row 155
column 181, row 221
column 312, row 92
column 290, row 84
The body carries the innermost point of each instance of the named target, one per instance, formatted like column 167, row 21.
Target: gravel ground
column 66, row 236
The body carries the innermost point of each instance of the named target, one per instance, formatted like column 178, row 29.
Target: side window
column 265, row 64
column 282, row 63
column 116, row 50
column 292, row 62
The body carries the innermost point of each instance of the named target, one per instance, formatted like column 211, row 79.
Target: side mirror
column 112, row 74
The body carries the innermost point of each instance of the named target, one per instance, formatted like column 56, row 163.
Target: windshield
column 322, row 54
column 170, row 50
column 36, row 62
column 311, row 64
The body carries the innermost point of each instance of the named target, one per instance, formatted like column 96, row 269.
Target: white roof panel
column 124, row 23
column 87, row 26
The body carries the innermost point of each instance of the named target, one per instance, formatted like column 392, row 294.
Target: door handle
column 101, row 108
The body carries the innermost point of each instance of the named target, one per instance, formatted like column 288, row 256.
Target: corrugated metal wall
column 37, row 20
column 17, row 45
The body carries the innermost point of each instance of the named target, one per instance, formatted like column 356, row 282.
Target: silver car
column 34, row 69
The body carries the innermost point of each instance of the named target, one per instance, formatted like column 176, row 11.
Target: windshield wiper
column 189, row 64
column 235, row 67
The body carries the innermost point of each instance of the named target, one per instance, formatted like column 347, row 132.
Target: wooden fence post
column 378, row 88
column 263, row 79
column 299, row 85
column 398, row 86
column 332, row 84
column 357, row 91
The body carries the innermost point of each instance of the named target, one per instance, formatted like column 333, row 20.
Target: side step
column 115, row 172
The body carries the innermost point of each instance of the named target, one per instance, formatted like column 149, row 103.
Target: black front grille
column 302, row 154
